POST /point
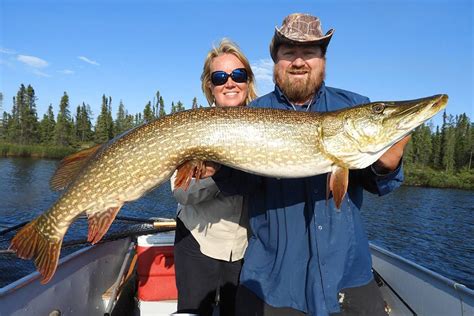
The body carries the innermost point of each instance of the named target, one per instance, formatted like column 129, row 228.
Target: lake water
column 431, row 227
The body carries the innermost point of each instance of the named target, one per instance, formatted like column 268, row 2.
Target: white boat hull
column 83, row 277
column 412, row 289
column 76, row 288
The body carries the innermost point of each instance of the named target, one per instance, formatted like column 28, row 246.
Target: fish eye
column 378, row 108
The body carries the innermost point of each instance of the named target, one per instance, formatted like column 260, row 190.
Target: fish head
column 365, row 132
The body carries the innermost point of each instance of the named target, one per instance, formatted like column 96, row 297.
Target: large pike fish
column 268, row 142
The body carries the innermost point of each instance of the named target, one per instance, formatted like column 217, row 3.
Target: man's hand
column 210, row 168
column 389, row 161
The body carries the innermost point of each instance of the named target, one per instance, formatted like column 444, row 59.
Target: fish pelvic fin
column 338, row 182
column 71, row 166
column 99, row 223
column 30, row 243
column 188, row 170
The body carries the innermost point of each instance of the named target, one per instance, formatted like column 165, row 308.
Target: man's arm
column 386, row 174
column 390, row 160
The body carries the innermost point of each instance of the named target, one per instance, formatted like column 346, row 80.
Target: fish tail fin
column 188, row 170
column 30, row 243
column 99, row 223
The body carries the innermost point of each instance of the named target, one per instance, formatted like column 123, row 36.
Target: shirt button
column 320, row 227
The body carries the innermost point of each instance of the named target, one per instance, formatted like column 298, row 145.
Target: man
column 303, row 251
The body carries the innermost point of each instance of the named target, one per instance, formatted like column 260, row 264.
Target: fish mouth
column 410, row 114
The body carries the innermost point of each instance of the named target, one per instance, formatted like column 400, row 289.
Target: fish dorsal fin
column 70, row 167
column 188, row 170
column 338, row 181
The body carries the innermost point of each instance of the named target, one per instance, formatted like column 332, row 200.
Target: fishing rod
column 123, row 218
column 152, row 227
column 9, row 229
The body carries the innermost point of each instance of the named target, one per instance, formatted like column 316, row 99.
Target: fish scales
column 269, row 142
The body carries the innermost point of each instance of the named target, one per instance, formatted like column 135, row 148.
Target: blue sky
column 387, row 50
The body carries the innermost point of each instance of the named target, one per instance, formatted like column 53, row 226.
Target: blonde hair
column 226, row 46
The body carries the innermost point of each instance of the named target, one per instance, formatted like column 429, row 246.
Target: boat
column 135, row 276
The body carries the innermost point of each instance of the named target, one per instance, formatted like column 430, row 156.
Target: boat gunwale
column 456, row 286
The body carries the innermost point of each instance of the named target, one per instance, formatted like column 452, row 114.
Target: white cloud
column 32, row 61
column 66, row 72
column 7, row 51
column 89, row 61
column 40, row 73
column 263, row 71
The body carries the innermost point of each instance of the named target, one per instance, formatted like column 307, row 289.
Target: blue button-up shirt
column 303, row 251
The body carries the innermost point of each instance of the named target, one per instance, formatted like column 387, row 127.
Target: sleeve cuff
column 384, row 173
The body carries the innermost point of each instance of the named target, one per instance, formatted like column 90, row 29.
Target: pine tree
column 47, row 127
column 462, row 138
column 471, row 145
column 4, row 127
column 173, row 107
column 129, row 122
column 422, row 146
column 104, row 129
column 30, row 121
column 83, row 125
column 121, row 120
column 195, row 103
column 148, row 113
column 447, row 143
column 436, row 149
column 110, row 120
column 22, row 108
column 138, row 119
column 162, row 111
column 64, row 126
column 180, row 106
column 156, row 104
column 426, row 150
column 13, row 125
column 2, row 118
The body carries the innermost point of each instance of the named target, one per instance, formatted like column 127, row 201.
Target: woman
column 211, row 232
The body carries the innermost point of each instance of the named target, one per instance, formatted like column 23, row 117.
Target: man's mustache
column 294, row 70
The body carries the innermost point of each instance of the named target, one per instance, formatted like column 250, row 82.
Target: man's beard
column 299, row 90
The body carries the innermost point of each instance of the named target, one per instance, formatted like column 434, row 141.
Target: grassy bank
column 427, row 177
column 35, row 151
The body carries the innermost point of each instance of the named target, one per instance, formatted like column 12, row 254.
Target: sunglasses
column 218, row 78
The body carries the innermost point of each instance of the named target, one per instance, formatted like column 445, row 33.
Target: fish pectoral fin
column 188, row 170
column 338, row 181
column 29, row 243
column 70, row 167
column 99, row 223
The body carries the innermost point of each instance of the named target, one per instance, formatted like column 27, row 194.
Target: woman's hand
column 210, row 169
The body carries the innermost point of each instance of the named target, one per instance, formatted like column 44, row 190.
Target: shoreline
column 415, row 175
column 8, row 150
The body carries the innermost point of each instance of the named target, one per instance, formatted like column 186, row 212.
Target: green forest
column 438, row 156
column 23, row 134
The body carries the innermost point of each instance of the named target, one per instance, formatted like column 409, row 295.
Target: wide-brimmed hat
column 300, row 29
